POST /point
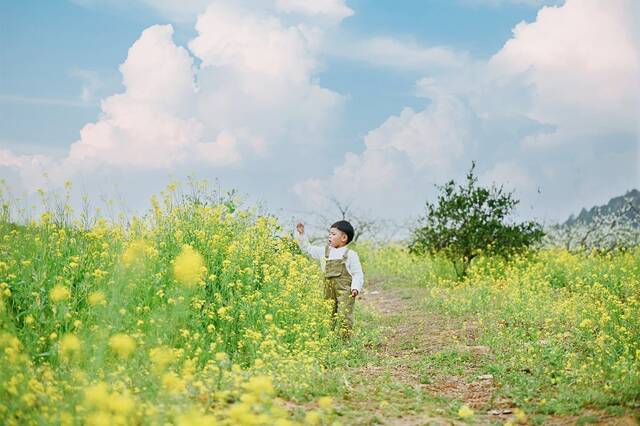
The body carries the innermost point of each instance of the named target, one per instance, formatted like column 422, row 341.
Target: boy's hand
column 354, row 292
column 300, row 228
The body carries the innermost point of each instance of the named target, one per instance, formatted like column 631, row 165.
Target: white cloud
column 582, row 61
column 257, row 77
column 562, row 91
column 148, row 125
column 432, row 138
column 246, row 92
column 332, row 9
column 512, row 175
column 405, row 154
column 400, row 54
column 252, row 45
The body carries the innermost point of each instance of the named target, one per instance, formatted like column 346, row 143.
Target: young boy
column 342, row 271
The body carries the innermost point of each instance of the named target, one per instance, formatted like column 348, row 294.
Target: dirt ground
column 425, row 367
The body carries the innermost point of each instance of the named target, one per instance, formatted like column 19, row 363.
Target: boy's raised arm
column 317, row 252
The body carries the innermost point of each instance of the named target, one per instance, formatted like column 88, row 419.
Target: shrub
column 467, row 220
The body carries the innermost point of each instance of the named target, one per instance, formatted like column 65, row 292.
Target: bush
column 468, row 220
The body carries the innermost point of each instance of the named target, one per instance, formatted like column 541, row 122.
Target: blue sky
column 46, row 45
column 425, row 86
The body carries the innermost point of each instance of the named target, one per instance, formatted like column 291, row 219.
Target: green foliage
column 468, row 220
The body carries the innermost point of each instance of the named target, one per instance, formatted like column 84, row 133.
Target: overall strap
column 344, row 256
column 326, row 251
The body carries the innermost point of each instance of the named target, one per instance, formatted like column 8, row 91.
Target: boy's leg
column 330, row 294
column 345, row 312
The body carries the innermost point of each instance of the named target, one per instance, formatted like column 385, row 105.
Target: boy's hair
column 344, row 226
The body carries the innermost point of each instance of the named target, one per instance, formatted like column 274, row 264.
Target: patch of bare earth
column 413, row 335
column 411, row 338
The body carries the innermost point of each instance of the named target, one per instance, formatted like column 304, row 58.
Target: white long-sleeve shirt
column 352, row 263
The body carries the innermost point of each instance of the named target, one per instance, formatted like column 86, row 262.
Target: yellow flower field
column 203, row 313
column 194, row 314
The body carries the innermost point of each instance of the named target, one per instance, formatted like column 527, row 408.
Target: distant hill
column 615, row 205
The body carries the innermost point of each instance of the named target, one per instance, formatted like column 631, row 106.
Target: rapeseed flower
column 520, row 415
column 120, row 404
column 161, row 357
column 260, row 385
column 69, row 345
column 172, row 383
column 122, row 344
column 188, row 266
column 59, row 293
column 312, row 418
column 97, row 298
column 135, row 253
column 465, row 412
column 195, row 418
column 325, row 402
column 97, row 395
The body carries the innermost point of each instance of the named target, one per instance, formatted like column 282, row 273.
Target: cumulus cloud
column 244, row 90
column 563, row 90
column 582, row 61
column 148, row 125
column 404, row 155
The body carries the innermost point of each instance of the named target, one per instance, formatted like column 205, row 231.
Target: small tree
column 468, row 220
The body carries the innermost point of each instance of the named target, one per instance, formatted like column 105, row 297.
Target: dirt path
column 425, row 367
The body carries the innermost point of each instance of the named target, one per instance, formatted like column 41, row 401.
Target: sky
column 298, row 104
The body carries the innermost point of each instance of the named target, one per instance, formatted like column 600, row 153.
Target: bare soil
column 425, row 367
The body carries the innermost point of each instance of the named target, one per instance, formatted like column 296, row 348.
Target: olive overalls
column 337, row 287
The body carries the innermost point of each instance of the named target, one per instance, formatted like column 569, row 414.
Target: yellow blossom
column 188, row 266
column 465, row 412
column 69, row 345
column 312, row 418
column 97, row 298
column 521, row 417
column 97, row 395
column 260, row 385
column 161, row 357
column 172, row 383
column 196, row 418
column 325, row 402
column 135, row 254
column 122, row 344
column 59, row 293
column 120, row 404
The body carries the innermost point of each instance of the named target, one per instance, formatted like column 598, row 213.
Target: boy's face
column 337, row 238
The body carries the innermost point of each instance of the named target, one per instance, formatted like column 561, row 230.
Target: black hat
column 344, row 226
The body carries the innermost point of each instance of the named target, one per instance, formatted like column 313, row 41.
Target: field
column 202, row 312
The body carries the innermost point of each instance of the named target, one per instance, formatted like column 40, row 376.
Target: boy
column 342, row 271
